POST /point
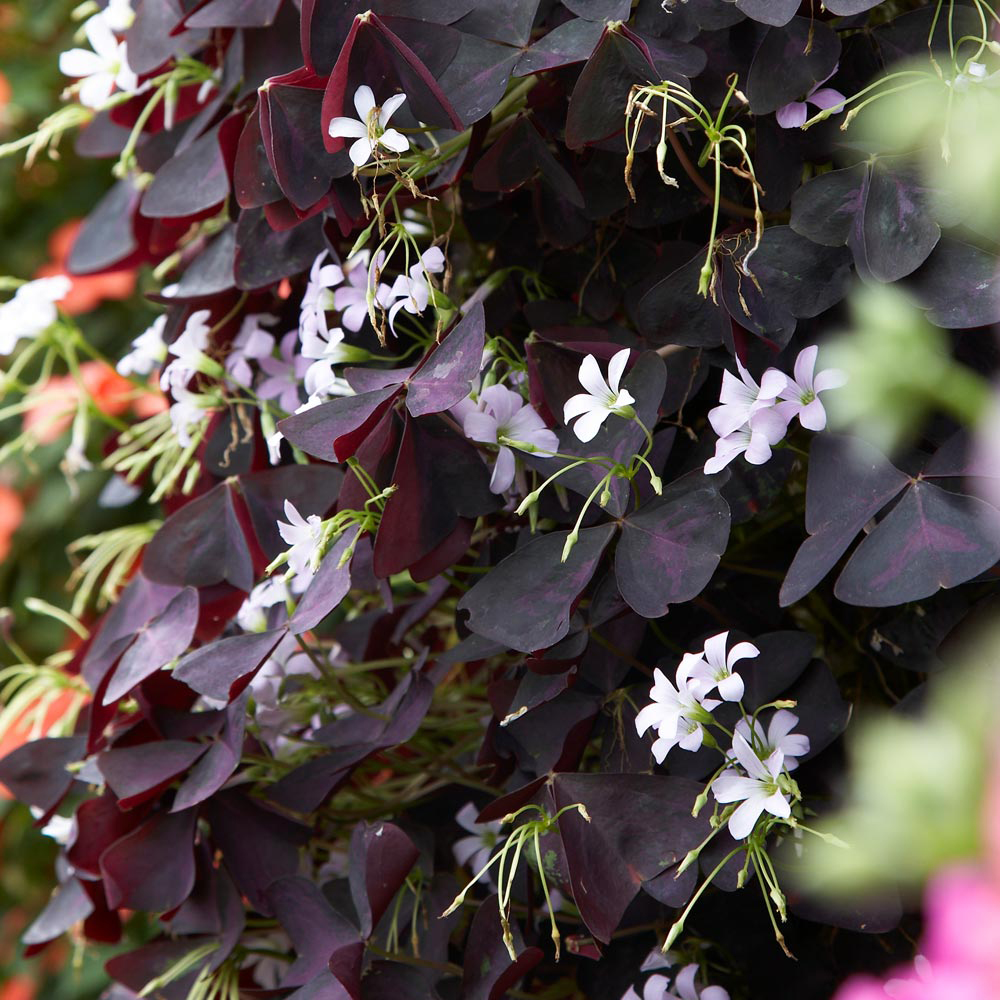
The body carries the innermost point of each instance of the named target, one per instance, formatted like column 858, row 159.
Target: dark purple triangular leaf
column 217, row 765
column 824, row 208
column 223, row 668
column 332, row 431
column 509, row 22
column 136, row 774
column 930, row 539
column 775, row 12
column 35, row 773
column 264, row 256
column 445, row 378
column 233, row 14
column 69, row 905
column 571, row 42
column 477, row 77
column 790, row 62
column 671, row 313
column 381, row 857
column 157, row 642
column 489, row 971
column 326, row 589
column 201, row 544
column 152, row 868
column 190, row 184
column 670, row 547
column 959, row 286
column 525, row 601
column 849, row 483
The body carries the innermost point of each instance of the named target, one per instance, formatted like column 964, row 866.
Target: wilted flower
column 601, row 399
column 678, row 713
column 801, row 396
column 779, row 737
column 503, row 418
column 715, row 670
column 31, row 310
column 103, row 68
column 369, row 129
column 148, row 350
column 412, row 291
column 758, row 789
column 304, row 536
column 795, row 113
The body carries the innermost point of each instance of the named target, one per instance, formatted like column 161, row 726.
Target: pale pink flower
column 795, row 113
column 801, row 395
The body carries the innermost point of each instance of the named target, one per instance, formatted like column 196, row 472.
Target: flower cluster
column 758, row 761
column 752, row 418
column 104, row 66
column 31, row 311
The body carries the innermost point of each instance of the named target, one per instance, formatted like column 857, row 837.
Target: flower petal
column 731, row 687
column 731, row 786
column 346, row 128
column 805, row 365
column 777, row 805
column 829, row 378
column 684, row 983
column 616, row 368
column 589, row 424
column 772, row 383
column 812, row 416
column 741, row 651
column 360, row 152
column 479, row 426
column 648, row 716
column 389, row 108
column 503, row 471
column 748, row 758
column 742, row 822
column 591, row 378
column 80, row 62
column 394, row 140
column 364, row 101
column 715, row 651
column 792, row 115
column 827, row 98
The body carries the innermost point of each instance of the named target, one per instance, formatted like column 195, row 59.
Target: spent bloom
column 304, row 536
column 801, row 395
column 31, row 311
column 779, row 736
column 795, row 113
column 369, row 129
column 601, row 399
column 679, row 712
column 758, row 790
column 715, row 669
column 102, row 69
column 412, row 291
column 503, row 418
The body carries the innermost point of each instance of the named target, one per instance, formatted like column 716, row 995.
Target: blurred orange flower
column 89, row 290
column 18, row 988
column 11, row 514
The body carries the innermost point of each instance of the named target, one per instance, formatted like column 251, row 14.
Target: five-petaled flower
column 801, row 395
column 304, row 536
column 715, row 669
column 678, row 713
column 102, row 69
column 740, row 398
column 779, row 736
column 369, row 129
column 503, row 418
column 601, row 399
column 758, row 790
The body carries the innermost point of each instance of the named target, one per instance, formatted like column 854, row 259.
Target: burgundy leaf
column 670, row 547
column 959, row 286
column 159, row 641
column 489, row 971
column 929, row 540
column 219, row 762
column 326, row 589
column 381, row 857
column 190, row 185
column 222, row 669
column 444, row 378
column 152, row 868
column 69, row 905
column 137, row 774
column 35, row 773
column 525, row 601
column 233, row 14
column 571, row 42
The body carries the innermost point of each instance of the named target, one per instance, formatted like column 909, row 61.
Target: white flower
column 715, row 669
column 754, row 440
column 352, row 299
column 148, row 350
column 274, row 440
column 188, row 351
column 303, row 535
column 801, row 396
column 413, row 291
column 187, row 411
column 321, row 380
column 741, row 397
column 656, row 988
column 678, row 713
column 118, row 15
column 503, row 418
column 369, row 129
column 779, row 737
column 31, row 310
column 758, row 789
column 474, row 851
column 252, row 343
column 601, row 399
column 284, row 375
column 62, row 829
column 102, row 69
column 317, row 300
column 252, row 615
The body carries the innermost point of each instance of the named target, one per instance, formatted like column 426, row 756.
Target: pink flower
column 801, row 395
column 795, row 113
